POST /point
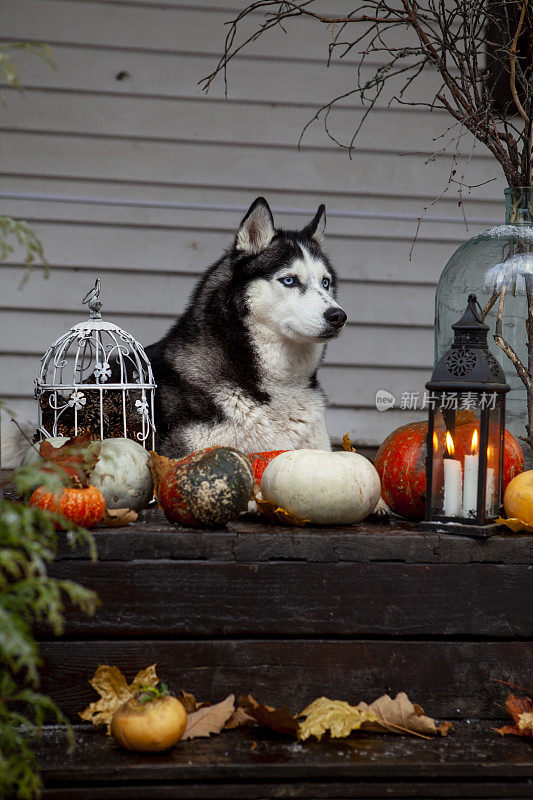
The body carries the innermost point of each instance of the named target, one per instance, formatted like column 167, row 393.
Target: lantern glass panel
column 438, row 439
column 494, row 460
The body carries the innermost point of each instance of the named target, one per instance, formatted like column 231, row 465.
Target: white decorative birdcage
column 96, row 379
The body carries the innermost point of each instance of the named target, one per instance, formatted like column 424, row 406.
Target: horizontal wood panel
column 152, row 252
column 365, row 766
column 183, row 120
column 125, row 226
column 334, row 6
column 297, row 205
column 254, row 80
column 358, row 216
column 260, row 789
column 367, row 427
column 187, row 30
column 155, row 295
column 273, row 671
column 33, row 331
column 344, row 385
column 175, row 598
column 247, row 540
column 205, row 164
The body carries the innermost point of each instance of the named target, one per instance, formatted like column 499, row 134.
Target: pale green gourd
column 122, row 473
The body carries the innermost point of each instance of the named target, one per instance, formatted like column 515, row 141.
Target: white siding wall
column 141, row 181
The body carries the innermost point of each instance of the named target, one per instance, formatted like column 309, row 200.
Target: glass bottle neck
column 519, row 205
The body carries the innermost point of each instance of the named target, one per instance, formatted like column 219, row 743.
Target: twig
column 490, row 303
column 512, row 79
column 449, row 36
column 406, row 730
column 507, row 349
column 24, row 434
column 514, row 685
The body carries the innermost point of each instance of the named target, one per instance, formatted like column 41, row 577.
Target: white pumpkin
column 121, row 473
column 325, row 488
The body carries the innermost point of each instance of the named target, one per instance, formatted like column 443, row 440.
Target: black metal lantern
column 466, row 429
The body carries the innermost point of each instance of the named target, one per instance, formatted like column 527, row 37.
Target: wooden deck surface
column 291, row 614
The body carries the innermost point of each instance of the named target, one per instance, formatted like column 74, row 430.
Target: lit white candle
column 471, row 478
column 453, row 482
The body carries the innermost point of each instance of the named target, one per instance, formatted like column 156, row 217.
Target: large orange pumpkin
column 401, row 465
column 85, row 507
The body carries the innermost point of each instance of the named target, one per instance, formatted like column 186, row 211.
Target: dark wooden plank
column 451, row 680
column 339, row 790
column 152, row 537
column 190, row 598
column 473, row 752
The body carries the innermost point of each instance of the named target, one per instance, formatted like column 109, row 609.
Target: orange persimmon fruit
column 150, row 721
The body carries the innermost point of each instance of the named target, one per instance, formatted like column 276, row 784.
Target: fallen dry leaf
column 76, row 458
column 277, row 719
column 239, row 719
column 210, row 719
column 117, row 517
column 274, row 513
column 347, row 444
column 401, row 716
column 188, row 701
column 335, row 717
column 515, row 524
column 114, row 690
column 159, row 465
column 521, row 710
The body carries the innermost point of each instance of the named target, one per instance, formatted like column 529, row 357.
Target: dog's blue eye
column 288, row 280
column 325, row 283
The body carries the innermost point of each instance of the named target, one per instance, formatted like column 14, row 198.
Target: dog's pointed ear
column 315, row 229
column 256, row 230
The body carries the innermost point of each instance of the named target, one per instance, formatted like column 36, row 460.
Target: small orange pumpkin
column 85, row 507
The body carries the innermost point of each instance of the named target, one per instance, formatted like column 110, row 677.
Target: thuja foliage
column 19, row 231
column 16, row 233
column 28, row 542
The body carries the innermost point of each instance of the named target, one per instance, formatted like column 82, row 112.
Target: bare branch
column 449, row 37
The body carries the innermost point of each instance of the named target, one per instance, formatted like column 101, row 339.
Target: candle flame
column 435, row 441
column 450, row 447
column 474, row 442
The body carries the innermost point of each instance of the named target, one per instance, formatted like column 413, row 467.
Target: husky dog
column 239, row 367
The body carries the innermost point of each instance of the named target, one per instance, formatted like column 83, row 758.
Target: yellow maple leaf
column 525, row 721
column 347, row 444
column 515, row 524
column 114, row 690
column 336, row 716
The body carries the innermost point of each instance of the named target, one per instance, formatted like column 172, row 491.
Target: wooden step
column 471, row 762
column 288, row 615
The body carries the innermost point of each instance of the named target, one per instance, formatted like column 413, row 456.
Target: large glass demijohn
column 497, row 266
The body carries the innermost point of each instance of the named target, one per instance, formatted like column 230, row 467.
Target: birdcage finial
column 92, row 299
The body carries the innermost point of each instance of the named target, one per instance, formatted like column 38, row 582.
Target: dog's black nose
column 336, row 317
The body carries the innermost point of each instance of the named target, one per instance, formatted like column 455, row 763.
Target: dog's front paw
column 382, row 509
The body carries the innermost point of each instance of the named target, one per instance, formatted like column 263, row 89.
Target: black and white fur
column 239, row 367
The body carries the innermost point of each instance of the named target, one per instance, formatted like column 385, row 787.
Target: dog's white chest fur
column 294, row 416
